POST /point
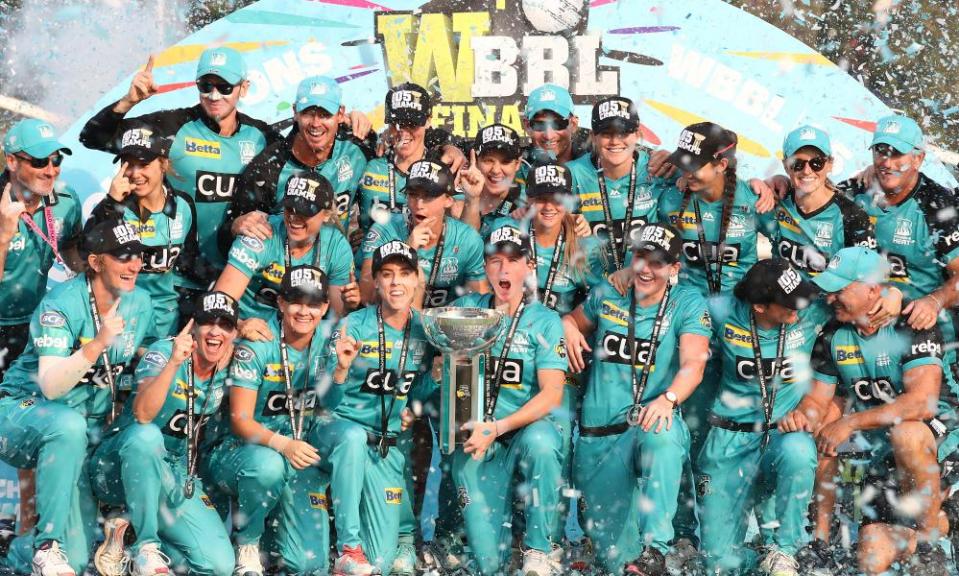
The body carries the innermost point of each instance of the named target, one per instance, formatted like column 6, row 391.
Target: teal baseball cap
column 320, row 91
column 806, row 136
column 224, row 62
column 855, row 264
column 33, row 137
column 549, row 97
column 900, row 132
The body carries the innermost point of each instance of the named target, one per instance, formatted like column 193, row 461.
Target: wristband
column 278, row 442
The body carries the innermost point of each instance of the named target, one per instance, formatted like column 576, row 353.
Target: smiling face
column 118, row 273
column 548, row 212
column 301, row 318
column 145, row 176
column 36, row 180
column 546, row 133
column 317, row 127
column 894, row 170
column 651, row 273
column 396, row 284
column 775, row 314
column 214, row 339
column 301, row 229
column 615, row 148
column 507, row 274
column 218, row 106
column 808, row 180
column 707, row 175
column 853, row 303
column 498, row 171
column 408, row 139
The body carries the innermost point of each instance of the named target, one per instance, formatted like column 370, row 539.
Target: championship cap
column 224, row 62
column 549, row 98
column 304, row 284
column 508, row 239
column 702, row 143
column 307, row 193
column 548, row 179
column 774, row 281
column 408, row 104
column 214, row 305
column 142, row 142
column 662, row 241
column 394, row 250
column 429, row 179
column 113, row 237
column 320, row 91
column 854, row 264
column 498, row 137
column 33, row 137
column 616, row 114
column 806, row 136
column 900, row 132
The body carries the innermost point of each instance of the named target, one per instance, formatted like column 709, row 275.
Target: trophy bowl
column 462, row 331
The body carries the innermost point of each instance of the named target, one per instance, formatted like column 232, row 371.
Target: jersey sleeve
column 248, row 255
column 255, row 190
column 103, row 130
column 593, row 304
column 695, row 317
column 246, row 369
column 51, row 331
column 550, row 343
column 823, row 363
column 340, row 263
column 857, row 229
column 942, row 215
column 376, row 236
column 472, row 258
column 153, row 362
column 925, row 347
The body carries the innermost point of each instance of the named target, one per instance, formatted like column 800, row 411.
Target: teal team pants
column 52, row 438
column 298, row 531
column 486, row 494
column 630, row 485
column 734, row 475
column 131, row 468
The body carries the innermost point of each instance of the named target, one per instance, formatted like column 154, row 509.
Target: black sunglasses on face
column 886, row 150
column 41, row 163
column 554, row 124
column 207, row 86
column 817, row 164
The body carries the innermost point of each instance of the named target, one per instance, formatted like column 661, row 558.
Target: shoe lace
column 57, row 555
column 778, row 560
column 153, row 554
column 249, row 554
column 356, row 554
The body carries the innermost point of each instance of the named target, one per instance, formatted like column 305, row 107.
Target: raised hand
column 111, row 325
column 121, row 187
column 142, row 86
column 183, row 344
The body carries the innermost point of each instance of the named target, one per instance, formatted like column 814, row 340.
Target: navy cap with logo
column 307, row 193
column 393, row 251
column 408, row 105
column 548, row 179
column 428, row 178
column 498, row 137
column 113, row 237
column 143, row 143
column 508, row 239
column 304, row 284
column 216, row 305
column 616, row 114
column 661, row 241
column 775, row 281
column 702, row 143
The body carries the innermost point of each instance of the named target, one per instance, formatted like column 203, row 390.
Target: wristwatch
column 671, row 396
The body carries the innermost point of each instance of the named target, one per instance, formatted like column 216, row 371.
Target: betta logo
column 486, row 56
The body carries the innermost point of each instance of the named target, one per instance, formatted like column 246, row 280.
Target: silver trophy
column 463, row 335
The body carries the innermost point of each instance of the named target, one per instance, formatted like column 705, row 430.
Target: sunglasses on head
column 40, row 163
column 551, row 124
column 207, row 86
column 816, row 163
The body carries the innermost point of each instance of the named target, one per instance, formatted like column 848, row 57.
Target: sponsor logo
column 214, row 186
column 393, row 495
column 52, row 320
column 47, row 341
column 746, row 368
column 903, row 233
column 247, row 151
column 318, row 501
column 375, row 383
column 344, row 170
column 243, row 354
column 848, row 355
column 512, row 373
column 202, row 148
column 155, row 358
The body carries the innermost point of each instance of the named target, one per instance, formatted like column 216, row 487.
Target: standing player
column 650, row 348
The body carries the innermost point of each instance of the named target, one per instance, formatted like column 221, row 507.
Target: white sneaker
column 778, row 563
column 111, row 559
column 51, row 561
column 536, row 563
column 248, row 560
column 150, row 561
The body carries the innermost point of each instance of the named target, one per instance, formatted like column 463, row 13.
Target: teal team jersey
column 739, row 398
column 172, row 417
column 808, row 241
column 609, row 391
column 29, row 257
column 61, row 325
column 739, row 249
column 516, row 198
column 258, row 366
column 374, row 190
column 361, row 397
column 460, row 262
column 264, row 263
column 538, row 344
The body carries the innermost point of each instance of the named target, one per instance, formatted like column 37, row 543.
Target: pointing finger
column 473, row 157
column 149, row 66
column 187, row 328
column 113, row 309
column 123, row 168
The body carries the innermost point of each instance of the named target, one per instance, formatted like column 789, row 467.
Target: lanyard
column 296, row 420
column 193, row 432
column 51, row 227
column 105, row 356
column 639, row 384
column 554, row 263
column 493, row 383
column 435, row 270
column 317, row 248
column 401, row 368
column 768, row 398
column 714, row 284
column 619, row 254
column 391, row 184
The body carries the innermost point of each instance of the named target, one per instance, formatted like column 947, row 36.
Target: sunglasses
column 817, row 164
column 886, row 150
column 554, row 124
column 207, row 86
column 40, row 163
column 126, row 256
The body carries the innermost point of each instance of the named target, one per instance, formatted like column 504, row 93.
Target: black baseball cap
column 548, row 179
column 616, row 114
column 142, row 142
column 394, row 250
column 702, row 143
column 508, row 239
column 498, row 137
column 775, row 281
column 429, row 178
column 408, row 104
column 662, row 241
column 215, row 305
column 113, row 237
column 308, row 193
column 304, row 284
